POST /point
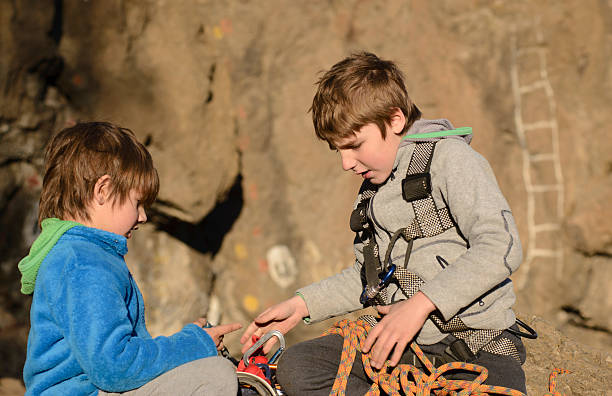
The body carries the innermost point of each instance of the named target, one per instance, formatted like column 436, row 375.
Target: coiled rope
column 408, row 378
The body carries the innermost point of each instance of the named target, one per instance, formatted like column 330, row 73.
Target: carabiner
column 369, row 292
column 259, row 344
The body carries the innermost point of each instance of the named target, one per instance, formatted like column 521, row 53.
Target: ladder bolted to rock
column 538, row 135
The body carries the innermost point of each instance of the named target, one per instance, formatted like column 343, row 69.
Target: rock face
column 252, row 206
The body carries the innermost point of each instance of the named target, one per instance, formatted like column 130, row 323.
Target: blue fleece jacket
column 87, row 323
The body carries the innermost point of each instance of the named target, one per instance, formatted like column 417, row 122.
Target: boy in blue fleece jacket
column 88, row 334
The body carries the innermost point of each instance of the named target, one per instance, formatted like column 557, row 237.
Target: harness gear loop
column 531, row 333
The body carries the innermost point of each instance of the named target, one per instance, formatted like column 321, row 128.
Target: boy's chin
column 376, row 180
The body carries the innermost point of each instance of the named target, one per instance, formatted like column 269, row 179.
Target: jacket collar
column 107, row 240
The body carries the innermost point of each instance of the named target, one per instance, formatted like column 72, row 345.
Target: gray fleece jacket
column 479, row 254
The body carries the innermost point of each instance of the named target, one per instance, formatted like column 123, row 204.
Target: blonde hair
column 76, row 157
column 356, row 91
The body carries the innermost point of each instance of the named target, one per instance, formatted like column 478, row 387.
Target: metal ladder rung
column 542, row 157
column 546, row 253
column 544, row 188
column 538, row 125
column 528, row 50
column 546, row 227
column 532, row 87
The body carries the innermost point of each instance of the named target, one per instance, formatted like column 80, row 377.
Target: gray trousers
column 212, row 376
column 309, row 368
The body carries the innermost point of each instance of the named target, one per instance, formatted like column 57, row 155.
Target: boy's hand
column 396, row 329
column 283, row 317
column 217, row 332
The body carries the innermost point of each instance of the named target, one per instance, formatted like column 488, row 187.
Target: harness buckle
column 416, row 186
column 371, row 291
column 459, row 350
column 359, row 218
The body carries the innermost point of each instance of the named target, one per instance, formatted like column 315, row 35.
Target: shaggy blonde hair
column 356, row 91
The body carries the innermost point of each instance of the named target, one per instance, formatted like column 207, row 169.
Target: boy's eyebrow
column 349, row 144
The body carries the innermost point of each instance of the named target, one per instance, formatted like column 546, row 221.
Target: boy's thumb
column 383, row 309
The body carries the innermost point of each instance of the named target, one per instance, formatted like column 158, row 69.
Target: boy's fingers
column 250, row 330
column 269, row 344
column 265, row 317
column 397, row 354
column 228, row 328
column 370, row 339
column 381, row 350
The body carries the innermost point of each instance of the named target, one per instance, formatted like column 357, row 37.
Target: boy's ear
column 397, row 121
column 102, row 190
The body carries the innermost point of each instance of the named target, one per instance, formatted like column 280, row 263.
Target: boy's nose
column 348, row 162
column 142, row 215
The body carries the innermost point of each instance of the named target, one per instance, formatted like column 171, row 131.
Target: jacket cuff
column 209, row 346
column 306, row 319
column 317, row 308
column 440, row 298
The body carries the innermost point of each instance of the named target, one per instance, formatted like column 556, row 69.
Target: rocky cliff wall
column 251, row 205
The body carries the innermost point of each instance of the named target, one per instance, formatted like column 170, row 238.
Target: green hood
column 52, row 230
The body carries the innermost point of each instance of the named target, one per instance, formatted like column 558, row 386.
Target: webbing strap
column 411, row 283
column 370, row 249
column 420, row 162
column 428, row 219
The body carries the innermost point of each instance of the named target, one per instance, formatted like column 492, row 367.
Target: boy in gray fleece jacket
column 435, row 242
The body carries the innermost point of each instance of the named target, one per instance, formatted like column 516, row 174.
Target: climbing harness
column 408, row 378
column 256, row 373
column 429, row 221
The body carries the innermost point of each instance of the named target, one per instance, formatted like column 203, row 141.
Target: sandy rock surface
column 252, row 206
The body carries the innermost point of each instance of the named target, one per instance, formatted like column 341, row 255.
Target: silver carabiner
column 260, row 342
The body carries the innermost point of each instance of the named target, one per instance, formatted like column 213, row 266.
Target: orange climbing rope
column 552, row 381
column 408, row 378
